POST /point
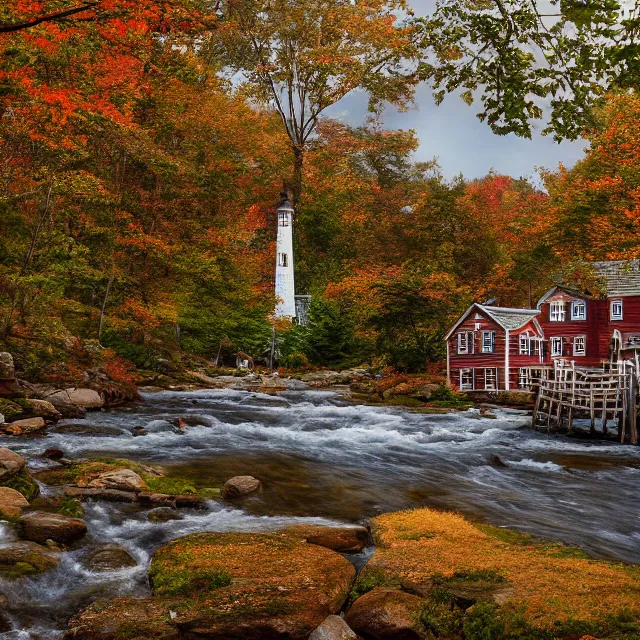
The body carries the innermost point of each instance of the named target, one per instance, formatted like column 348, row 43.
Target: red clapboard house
column 487, row 342
column 492, row 348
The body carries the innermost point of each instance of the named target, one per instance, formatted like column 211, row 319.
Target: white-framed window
column 557, row 311
column 488, row 341
column 283, row 219
column 524, row 348
column 466, row 379
column 283, row 260
column 523, row 378
column 580, row 346
column 491, row 379
column 556, row 346
column 616, row 310
column 578, row 310
column 534, row 347
column 465, row 342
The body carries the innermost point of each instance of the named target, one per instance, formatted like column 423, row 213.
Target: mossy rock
column 236, row 585
column 25, row 559
column 11, row 410
column 23, row 483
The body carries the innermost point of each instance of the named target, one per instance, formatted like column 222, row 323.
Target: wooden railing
column 566, row 393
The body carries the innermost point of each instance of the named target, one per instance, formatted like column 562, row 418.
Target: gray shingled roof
column 620, row 278
column 511, row 319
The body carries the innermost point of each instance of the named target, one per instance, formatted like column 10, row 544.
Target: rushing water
column 322, row 459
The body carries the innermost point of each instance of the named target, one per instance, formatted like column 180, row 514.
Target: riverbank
column 432, row 575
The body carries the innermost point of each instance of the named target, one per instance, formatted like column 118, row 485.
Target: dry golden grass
column 550, row 586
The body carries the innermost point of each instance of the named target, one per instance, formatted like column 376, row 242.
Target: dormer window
column 616, row 310
column 578, row 310
column 557, row 311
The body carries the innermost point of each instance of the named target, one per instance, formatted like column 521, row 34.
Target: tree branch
column 50, row 17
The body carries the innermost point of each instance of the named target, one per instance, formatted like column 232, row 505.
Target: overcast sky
column 462, row 144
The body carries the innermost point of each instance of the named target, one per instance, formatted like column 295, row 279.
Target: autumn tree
column 303, row 56
column 527, row 60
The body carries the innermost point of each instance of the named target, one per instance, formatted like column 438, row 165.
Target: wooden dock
column 566, row 393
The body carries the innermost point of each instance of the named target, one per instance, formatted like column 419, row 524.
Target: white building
column 285, row 280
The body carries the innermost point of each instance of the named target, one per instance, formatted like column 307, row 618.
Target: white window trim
column 469, row 343
column 524, row 345
column 578, row 303
column 495, row 377
column 614, row 316
column 583, row 351
column 491, row 347
column 464, row 387
column 553, row 342
column 283, row 219
column 557, row 311
column 283, row 260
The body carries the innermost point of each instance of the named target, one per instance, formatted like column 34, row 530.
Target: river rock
column 386, row 614
column 109, row 495
column 248, row 586
column 333, row 628
column 11, row 502
column 59, row 398
column 139, row 431
column 84, row 428
column 240, row 486
column 41, row 526
column 121, row 479
column 28, row 425
column 53, row 454
column 25, row 558
column 10, row 462
column 110, row 558
column 43, row 409
column 85, row 398
column 163, row 514
column 341, row 539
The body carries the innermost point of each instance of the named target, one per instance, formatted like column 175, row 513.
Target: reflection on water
column 319, row 457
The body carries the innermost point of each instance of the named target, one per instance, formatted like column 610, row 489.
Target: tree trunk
column 104, row 305
column 298, row 162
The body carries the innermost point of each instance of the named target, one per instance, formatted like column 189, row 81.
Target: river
column 324, row 460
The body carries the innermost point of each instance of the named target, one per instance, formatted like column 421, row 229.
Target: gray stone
column 25, row 558
column 333, row 628
column 108, row 495
column 7, row 370
column 122, row 480
column 163, row 514
column 86, row 398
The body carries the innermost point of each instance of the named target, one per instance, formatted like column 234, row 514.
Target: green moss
column 171, row 486
column 440, row 620
column 415, row 536
column 509, row 536
column 23, row 483
column 369, row 579
column 70, row 507
column 182, row 582
column 10, row 409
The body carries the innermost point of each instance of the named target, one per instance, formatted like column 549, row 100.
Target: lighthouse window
column 283, row 219
column 283, row 260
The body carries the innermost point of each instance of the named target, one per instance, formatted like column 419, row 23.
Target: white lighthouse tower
column 285, row 281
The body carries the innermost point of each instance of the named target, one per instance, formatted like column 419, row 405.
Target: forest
column 143, row 145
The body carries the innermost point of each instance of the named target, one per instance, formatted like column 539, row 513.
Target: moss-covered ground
column 487, row 583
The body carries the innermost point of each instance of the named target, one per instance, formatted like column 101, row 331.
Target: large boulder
column 250, row 586
column 85, row 398
column 108, row 495
column 8, row 383
column 43, row 409
column 41, row 526
column 240, row 486
column 25, row 558
column 121, row 480
column 12, row 502
column 386, row 614
column 333, row 628
column 58, row 398
column 110, row 558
